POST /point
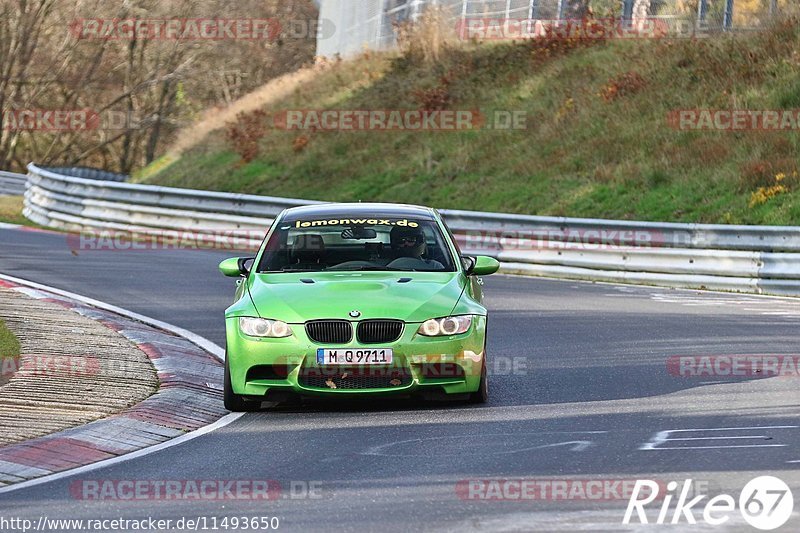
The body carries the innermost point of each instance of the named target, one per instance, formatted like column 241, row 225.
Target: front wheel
column 482, row 394
column 235, row 402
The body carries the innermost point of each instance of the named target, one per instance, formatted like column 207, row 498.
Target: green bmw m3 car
column 356, row 300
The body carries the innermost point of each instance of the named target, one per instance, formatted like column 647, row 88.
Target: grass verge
column 9, row 353
column 11, row 210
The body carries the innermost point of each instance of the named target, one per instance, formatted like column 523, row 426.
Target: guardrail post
column 728, row 20
column 379, row 31
column 627, row 10
column 463, row 25
column 702, row 12
column 533, row 11
column 415, row 9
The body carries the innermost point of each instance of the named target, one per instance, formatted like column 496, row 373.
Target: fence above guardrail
column 743, row 258
column 369, row 24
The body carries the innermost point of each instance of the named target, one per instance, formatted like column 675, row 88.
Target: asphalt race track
column 579, row 389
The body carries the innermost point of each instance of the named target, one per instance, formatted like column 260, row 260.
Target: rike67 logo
column 765, row 503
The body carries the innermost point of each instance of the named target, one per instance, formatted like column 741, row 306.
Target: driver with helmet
column 409, row 249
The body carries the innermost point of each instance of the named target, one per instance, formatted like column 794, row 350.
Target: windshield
column 351, row 244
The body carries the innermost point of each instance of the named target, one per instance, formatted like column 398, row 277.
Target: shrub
column 300, row 143
column 628, row 83
column 244, row 134
column 763, row 173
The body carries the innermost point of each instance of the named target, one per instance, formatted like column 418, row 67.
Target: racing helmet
column 407, row 242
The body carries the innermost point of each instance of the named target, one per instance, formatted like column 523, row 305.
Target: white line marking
column 579, row 445
column 664, row 436
column 795, row 461
column 203, row 343
column 576, row 445
column 731, row 429
column 721, row 438
column 720, row 447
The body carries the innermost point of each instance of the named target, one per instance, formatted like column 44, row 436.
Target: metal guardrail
column 88, row 173
column 762, row 259
column 12, row 184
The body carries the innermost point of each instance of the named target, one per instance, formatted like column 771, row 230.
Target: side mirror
column 235, row 267
column 483, row 265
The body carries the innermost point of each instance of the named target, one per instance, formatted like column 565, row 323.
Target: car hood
column 296, row 298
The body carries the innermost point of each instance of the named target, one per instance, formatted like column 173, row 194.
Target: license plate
column 375, row 356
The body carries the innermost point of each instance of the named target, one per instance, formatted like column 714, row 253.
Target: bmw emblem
column 355, row 314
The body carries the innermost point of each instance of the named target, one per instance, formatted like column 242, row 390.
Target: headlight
column 439, row 327
column 260, row 327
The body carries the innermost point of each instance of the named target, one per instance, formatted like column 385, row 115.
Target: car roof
column 362, row 210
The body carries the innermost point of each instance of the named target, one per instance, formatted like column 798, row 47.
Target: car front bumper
column 262, row 367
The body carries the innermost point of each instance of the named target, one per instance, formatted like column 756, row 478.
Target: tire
column 481, row 396
column 235, row 402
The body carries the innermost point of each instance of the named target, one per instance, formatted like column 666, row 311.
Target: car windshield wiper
column 376, row 269
column 290, row 269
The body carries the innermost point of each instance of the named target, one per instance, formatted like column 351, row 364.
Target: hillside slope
column 599, row 140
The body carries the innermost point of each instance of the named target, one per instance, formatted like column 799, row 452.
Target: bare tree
column 149, row 86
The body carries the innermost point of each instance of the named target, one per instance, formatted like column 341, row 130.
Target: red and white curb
column 187, row 405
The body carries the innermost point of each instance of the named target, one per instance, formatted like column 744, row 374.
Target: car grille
column 330, row 331
column 379, row 331
column 354, row 378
